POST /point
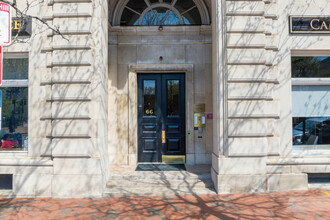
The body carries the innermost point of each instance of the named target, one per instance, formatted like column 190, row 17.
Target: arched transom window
column 161, row 12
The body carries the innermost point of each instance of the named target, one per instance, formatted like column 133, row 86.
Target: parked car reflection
column 311, row 131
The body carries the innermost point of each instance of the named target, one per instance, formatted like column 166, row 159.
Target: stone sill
column 299, row 157
column 310, row 153
column 11, row 154
column 15, row 159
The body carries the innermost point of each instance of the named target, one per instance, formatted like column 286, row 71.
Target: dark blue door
column 161, row 116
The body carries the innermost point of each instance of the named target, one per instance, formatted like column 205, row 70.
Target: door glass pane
column 173, row 94
column 149, row 97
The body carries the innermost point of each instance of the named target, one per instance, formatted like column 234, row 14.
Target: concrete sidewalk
column 313, row 204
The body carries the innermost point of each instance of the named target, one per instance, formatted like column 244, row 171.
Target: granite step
column 158, row 183
column 132, row 176
column 155, row 191
column 163, row 182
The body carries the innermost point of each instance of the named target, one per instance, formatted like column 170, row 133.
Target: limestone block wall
column 288, row 160
column 68, row 154
column 253, row 104
column 142, row 46
column 32, row 173
column 248, row 121
column 75, row 80
column 252, row 51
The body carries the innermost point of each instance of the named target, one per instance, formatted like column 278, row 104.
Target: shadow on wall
column 66, row 85
column 252, row 106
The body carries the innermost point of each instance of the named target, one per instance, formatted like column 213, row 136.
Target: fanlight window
column 160, row 12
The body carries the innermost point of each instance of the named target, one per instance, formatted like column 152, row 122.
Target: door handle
column 163, row 137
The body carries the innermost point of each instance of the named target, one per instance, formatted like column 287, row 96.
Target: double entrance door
column 161, row 116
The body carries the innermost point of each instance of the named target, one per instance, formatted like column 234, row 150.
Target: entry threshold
column 174, row 159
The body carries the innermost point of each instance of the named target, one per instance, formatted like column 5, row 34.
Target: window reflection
column 14, row 120
column 311, row 131
column 309, row 67
column 14, row 105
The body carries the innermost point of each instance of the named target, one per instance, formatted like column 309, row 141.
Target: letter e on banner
column 5, row 24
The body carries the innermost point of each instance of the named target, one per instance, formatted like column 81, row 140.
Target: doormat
column 160, row 167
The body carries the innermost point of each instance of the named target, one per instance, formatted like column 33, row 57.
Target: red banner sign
column 1, row 58
column 5, row 24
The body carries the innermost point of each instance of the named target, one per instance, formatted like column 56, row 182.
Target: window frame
column 18, row 83
column 303, row 81
column 200, row 4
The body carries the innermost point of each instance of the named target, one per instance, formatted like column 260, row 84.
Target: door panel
column 149, row 118
column 173, row 104
column 161, row 108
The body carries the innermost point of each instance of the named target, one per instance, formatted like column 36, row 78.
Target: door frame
column 187, row 70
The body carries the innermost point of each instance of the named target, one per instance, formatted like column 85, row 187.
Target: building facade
column 243, row 86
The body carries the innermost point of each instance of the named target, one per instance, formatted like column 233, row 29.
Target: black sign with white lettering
column 310, row 24
column 21, row 26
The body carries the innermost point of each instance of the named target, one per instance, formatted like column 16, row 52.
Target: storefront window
column 14, row 105
column 311, row 103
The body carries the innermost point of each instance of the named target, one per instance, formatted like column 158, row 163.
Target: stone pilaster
column 77, row 87
column 219, row 87
column 245, row 44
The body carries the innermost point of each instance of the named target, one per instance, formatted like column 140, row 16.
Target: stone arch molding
column 205, row 18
